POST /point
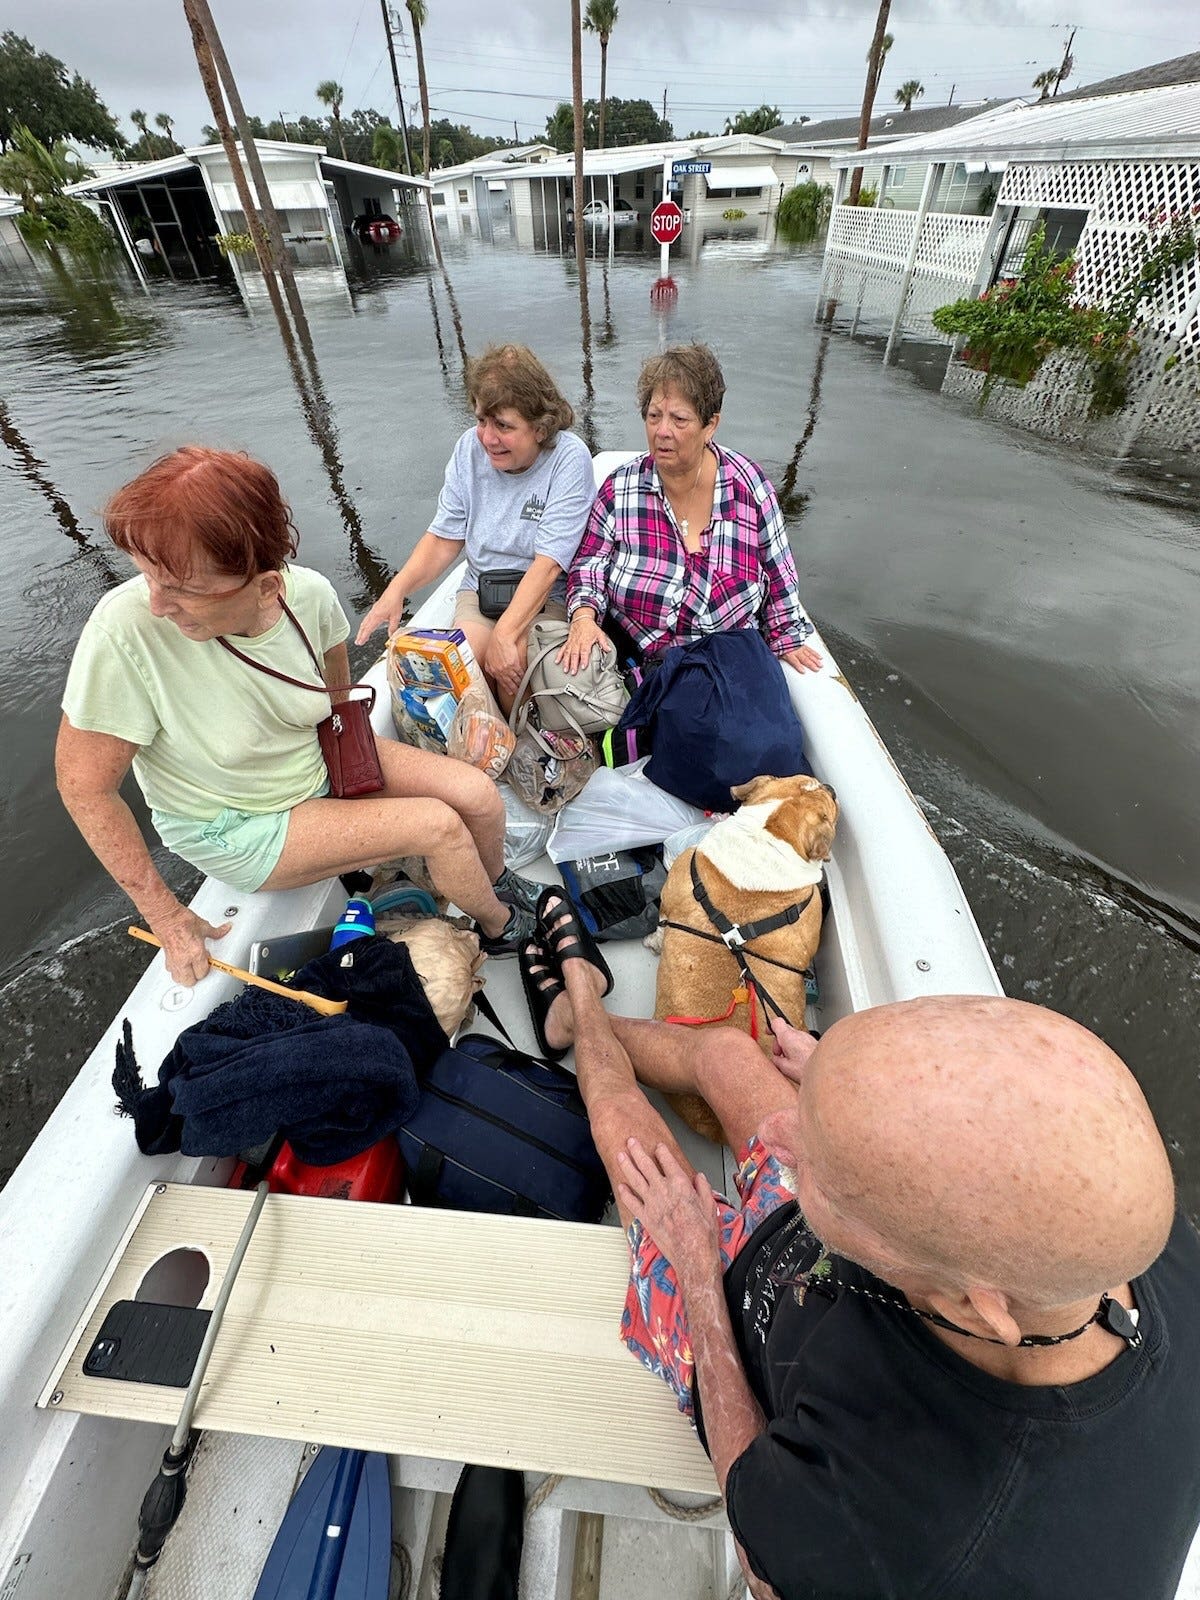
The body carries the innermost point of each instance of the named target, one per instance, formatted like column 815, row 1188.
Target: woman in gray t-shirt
column 516, row 497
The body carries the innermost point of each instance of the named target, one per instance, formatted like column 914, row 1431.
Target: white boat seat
column 421, row 1333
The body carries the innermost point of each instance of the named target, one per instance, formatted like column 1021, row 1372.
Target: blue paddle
column 335, row 1540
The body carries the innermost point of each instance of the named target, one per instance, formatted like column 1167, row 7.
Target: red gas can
column 376, row 1174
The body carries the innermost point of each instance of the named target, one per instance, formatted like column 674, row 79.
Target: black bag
column 497, row 1130
column 616, row 895
column 496, row 590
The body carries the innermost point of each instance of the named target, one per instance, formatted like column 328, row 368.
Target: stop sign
column 666, row 222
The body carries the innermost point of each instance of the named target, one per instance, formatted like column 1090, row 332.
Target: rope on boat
column 402, row 1578
column 672, row 1508
column 542, row 1493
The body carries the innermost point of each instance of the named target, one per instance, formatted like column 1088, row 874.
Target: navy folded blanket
column 261, row 1064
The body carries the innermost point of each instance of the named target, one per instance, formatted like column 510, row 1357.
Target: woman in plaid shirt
column 689, row 539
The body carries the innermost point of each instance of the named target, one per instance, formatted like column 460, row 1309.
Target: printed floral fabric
column 632, row 561
column 654, row 1323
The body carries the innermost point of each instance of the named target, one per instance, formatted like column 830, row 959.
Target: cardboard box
column 424, row 719
column 431, row 660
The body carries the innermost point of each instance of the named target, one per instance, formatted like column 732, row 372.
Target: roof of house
column 1147, row 124
column 116, row 174
column 892, row 122
column 638, row 157
column 1160, row 75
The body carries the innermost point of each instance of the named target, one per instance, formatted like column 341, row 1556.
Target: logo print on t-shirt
column 532, row 510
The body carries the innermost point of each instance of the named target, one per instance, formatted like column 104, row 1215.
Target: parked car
column 596, row 213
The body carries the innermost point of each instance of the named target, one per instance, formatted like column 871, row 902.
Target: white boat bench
column 435, row 1334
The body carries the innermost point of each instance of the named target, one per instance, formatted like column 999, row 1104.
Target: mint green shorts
column 242, row 848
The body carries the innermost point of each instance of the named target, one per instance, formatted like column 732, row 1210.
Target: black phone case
column 143, row 1342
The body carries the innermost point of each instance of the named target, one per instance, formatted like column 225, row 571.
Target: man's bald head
column 987, row 1141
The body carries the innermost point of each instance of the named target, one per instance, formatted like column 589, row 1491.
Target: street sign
column 687, row 169
column 666, row 222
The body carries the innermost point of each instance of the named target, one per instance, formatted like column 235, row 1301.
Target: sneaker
column 517, row 891
column 517, row 931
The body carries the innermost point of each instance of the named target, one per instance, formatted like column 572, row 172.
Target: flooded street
column 1021, row 619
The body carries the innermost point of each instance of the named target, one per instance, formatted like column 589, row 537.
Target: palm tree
column 881, row 43
column 332, row 94
column 909, row 91
column 1045, row 81
column 601, row 17
column 419, row 12
column 885, row 45
column 167, row 124
column 138, row 118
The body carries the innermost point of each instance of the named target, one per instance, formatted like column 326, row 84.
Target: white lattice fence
column 868, row 249
column 1122, row 198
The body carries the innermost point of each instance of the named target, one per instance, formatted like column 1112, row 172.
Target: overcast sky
column 492, row 64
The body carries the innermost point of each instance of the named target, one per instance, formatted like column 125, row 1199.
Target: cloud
column 488, row 68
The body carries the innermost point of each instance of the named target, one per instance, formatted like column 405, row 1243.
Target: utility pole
column 953, row 86
column 664, row 115
column 387, row 28
column 283, row 119
column 1067, row 63
column 874, row 68
column 516, row 135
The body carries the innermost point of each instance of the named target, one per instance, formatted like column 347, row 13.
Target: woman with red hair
column 228, row 758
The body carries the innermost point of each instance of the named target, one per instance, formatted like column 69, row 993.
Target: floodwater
column 1020, row 617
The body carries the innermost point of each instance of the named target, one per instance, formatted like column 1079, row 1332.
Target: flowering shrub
column 1011, row 329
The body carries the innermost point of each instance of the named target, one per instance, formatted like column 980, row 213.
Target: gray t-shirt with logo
column 507, row 518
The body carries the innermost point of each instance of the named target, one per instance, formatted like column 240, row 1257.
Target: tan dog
column 764, row 858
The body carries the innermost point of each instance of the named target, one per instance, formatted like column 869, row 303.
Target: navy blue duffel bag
column 497, row 1130
column 717, row 712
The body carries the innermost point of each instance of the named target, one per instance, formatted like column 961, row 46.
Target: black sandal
column 569, row 939
column 542, row 985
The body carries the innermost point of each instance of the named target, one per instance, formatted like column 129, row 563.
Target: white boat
column 70, row 1485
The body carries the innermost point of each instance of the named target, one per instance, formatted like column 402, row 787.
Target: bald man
column 967, row 1362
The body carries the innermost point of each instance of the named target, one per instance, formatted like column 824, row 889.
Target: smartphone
column 143, row 1342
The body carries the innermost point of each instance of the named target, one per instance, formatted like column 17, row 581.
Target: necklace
column 1112, row 1316
column 683, row 521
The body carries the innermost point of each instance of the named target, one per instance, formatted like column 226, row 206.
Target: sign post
column 666, row 224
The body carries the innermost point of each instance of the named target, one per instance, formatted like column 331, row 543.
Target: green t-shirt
column 211, row 731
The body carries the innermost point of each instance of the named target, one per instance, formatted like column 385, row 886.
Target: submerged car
column 596, row 213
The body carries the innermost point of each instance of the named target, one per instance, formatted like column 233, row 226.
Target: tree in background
column 386, row 150
column 601, row 18
column 138, row 118
column 909, row 91
column 167, row 123
column 628, row 122
column 332, row 94
column 38, row 174
column 761, row 120
column 419, row 12
column 1045, row 81
column 37, row 93
column 881, row 43
column 885, row 45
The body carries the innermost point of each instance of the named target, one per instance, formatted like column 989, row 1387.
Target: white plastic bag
column 620, row 809
column 674, row 846
column 526, row 831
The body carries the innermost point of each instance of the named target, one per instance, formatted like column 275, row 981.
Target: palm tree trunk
column 603, row 82
column 424, row 87
column 874, row 68
column 577, row 102
column 337, row 122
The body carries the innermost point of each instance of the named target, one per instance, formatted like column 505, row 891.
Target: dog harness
column 737, row 937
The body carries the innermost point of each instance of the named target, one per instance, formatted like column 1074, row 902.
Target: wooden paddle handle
column 327, row 1008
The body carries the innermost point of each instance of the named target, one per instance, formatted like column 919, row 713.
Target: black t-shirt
column 893, row 1469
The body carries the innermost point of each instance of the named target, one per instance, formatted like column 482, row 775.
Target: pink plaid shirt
column 632, row 563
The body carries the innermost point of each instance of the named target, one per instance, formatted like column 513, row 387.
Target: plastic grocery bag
column 677, row 843
column 479, row 734
column 620, row 809
column 526, row 831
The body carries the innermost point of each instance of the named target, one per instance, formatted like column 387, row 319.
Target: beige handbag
column 583, row 702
